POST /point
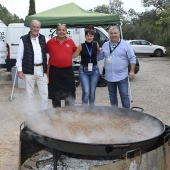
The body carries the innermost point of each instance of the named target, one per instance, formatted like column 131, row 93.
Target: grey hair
column 61, row 25
column 35, row 21
column 113, row 28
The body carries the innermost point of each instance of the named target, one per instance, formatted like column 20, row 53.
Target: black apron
column 62, row 83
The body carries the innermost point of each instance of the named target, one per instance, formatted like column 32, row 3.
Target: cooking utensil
column 93, row 148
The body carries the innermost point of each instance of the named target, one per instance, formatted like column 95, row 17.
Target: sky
column 21, row 7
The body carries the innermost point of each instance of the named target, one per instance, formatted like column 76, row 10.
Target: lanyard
column 111, row 50
column 89, row 51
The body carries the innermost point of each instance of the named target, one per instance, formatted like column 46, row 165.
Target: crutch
column 130, row 93
column 13, row 85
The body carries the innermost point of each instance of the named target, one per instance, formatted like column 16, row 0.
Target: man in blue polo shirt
column 118, row 54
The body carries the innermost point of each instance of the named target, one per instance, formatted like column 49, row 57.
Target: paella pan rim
column 95, row 148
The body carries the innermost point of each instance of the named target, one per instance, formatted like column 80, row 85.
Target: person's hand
column 20, row 74
column 131, row 75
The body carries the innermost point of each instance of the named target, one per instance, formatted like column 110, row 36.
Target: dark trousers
column 57, row 102
column 62, row 86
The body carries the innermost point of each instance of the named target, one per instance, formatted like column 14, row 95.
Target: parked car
column 145, row 47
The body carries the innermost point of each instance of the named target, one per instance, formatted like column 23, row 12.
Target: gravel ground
column 150, row 91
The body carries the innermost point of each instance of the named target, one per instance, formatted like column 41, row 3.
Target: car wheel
column 158, row 53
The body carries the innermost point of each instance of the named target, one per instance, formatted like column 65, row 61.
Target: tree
column 131, row 16
column 152, row 25
column 115, row 7
column 159, row 4
column 6, row 17
column 164, row 24
column 102, row 9
column 32, row 8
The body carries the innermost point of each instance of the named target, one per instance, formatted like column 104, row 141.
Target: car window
column 100, row 38
column 145, row 43
column 135, row 42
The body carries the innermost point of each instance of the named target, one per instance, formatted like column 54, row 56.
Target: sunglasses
column 89, row 30
column 59, row 24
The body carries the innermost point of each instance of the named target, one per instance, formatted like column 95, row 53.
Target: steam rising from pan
column 97, row 125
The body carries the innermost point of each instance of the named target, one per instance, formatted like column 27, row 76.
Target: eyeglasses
column 86, row 29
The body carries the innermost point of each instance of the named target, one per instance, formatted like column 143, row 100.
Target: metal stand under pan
column 38, row 157
column 45, row 160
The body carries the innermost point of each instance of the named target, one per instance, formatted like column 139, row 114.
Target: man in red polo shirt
column 61, row 74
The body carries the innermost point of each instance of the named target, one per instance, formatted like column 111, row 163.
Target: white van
column 3, row 49
column 16, row 30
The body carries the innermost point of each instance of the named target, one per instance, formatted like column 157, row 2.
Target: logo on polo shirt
column 67, row 45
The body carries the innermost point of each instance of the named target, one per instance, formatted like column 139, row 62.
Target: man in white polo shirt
column 32, row 63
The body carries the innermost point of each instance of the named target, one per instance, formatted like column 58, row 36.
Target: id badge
column 90, row 66
column 109, row 60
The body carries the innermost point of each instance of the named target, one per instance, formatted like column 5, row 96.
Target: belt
column 37, row 64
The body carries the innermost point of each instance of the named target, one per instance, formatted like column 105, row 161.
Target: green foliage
column 116, row 7
column 158, row 4
column 130, row 17
column 6, row 17
column 32, row 8
column 102, row 9
column 152, row 25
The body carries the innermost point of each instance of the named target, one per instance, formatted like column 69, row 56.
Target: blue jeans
column 123, row 90
column 88, row 80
